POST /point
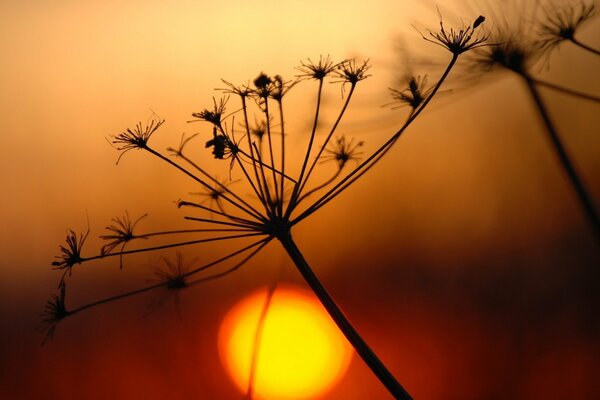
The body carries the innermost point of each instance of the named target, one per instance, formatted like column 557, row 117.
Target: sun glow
column 300, row 353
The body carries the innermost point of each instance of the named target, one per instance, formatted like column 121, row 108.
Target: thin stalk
column 270, row 142
column 212, row 221
column 582, row 195
column 241, row 151
column 584, row 46
column 297, row 186
column 168, row 246
column 248, row 222
column 237, row 266
column 361, row 347
column 250, row 211
column 262, row 242
column 566, row 90
column 147, row 235
column 257, row 339
column 269, row 200
column 367, row 164
column 281, row 183
column 261, row 196
column 267, row 166
column 333, row 128
column 321, row 186
column 219, row 184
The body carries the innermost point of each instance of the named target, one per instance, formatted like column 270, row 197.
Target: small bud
column 478, row 21
column 262, row 81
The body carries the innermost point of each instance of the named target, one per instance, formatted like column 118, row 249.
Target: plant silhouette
column 520, row 45
column 283, row 195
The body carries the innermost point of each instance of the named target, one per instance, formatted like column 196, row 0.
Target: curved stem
column 585, row 46
column 361, row 347
column 584, row 198
column 566, row 90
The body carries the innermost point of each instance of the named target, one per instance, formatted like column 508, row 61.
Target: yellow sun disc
column 300, row 353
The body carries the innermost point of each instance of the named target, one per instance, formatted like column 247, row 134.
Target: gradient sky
column 463, row 257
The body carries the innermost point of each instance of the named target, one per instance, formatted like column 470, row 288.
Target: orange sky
column 464, row 254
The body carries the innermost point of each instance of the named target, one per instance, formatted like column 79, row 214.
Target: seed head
column 318, row 71
column 280, row 87
column 458, row 41
column 511, row 51
column 214, row 116
column 71, row 252
column 560, row 22
column 54, row 312
column 342, row 151
column 349, row 71
column 136, row 138
column 173, row 278
column 414, row 94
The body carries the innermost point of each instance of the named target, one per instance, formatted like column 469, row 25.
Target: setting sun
column 300, row 354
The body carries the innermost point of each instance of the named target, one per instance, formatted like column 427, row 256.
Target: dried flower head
column 259, row 130
column 414, row 95
column 121, row 234
column 54, row 312
column 349, row 71
column 215, row 192
column 173, row 278
column 280, row 87
column 136, row 138
column 318, row 71
column 243, row 90
column 511, row 52
column 178, row 152
column 214, row 116
column 222, row 146
column 342, row 151
column 71, row 253
column 458, row 41
column 263, row 88
column 561, row 21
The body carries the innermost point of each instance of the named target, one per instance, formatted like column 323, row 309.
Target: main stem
column 584, row 198
column 361, row 347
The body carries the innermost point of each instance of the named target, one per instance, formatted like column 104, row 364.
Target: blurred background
column 463, row 257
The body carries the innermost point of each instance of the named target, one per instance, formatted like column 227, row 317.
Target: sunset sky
column 463, row 257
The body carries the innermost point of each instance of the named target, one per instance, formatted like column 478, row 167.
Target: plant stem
column 566, row 90
column 377, row 155
column 361, row 347
column 582, row 194
column 585, row 46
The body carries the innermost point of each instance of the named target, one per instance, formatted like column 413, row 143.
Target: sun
column 299, row 354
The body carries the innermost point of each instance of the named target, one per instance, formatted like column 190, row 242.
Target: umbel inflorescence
column 247, row 130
